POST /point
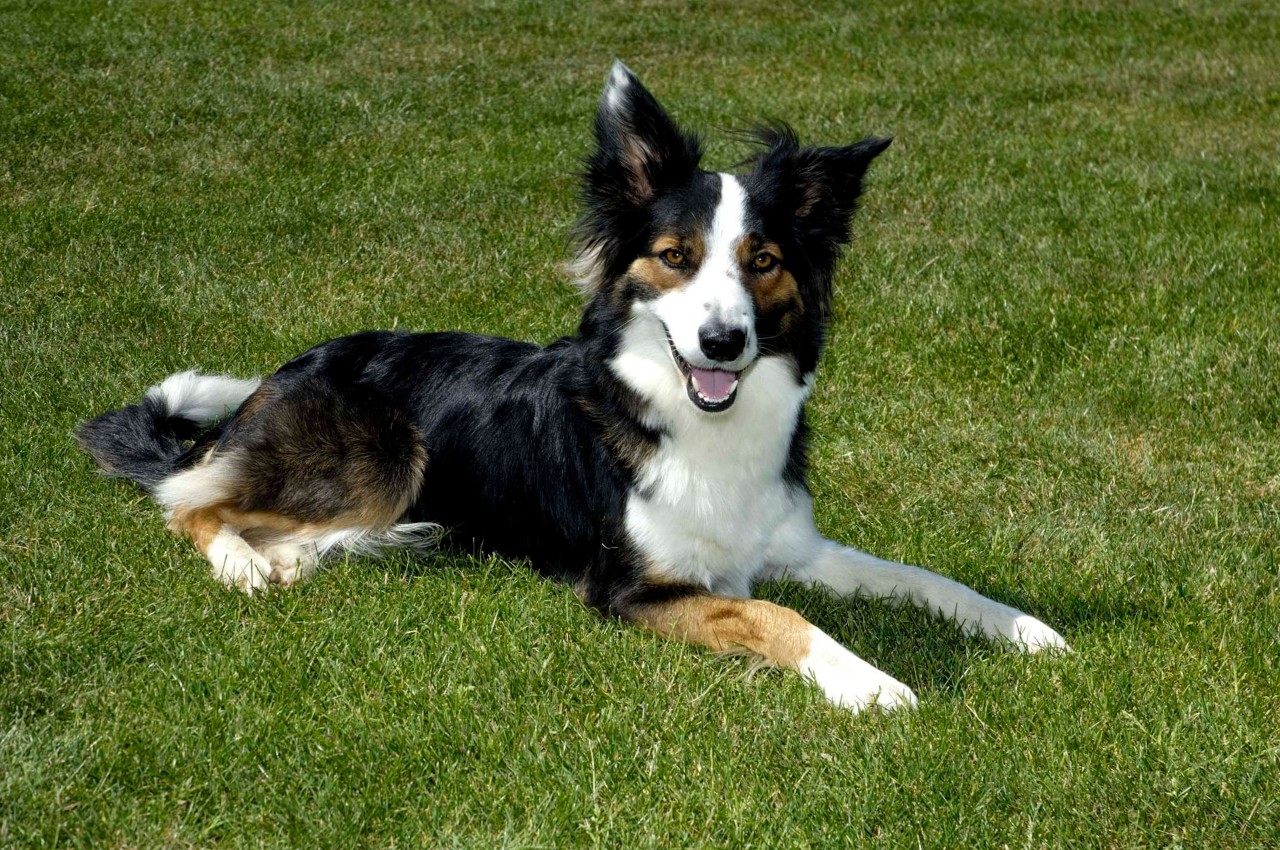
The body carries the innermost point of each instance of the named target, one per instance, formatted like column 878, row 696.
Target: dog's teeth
column 732, row 389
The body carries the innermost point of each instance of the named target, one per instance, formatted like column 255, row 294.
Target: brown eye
column 764, row 261
column 675, row 257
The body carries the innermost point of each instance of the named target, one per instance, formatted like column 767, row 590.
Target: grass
column 1053, row 376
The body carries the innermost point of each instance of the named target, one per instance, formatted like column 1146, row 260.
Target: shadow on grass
column 932, row 654
column 450, row 556
column 925, row 653
column 1077, row 609
column 928, row 654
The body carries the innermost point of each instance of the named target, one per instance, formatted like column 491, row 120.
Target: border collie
column 655, row 461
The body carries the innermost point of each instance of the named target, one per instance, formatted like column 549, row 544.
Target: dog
column 655, row 461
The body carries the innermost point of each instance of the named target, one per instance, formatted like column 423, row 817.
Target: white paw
column 1003, row 624
column 850, row 682
column 285, row 576
column 236, row 564
column 1030, row 635
column 246, row 574
column 290, row 563
column 859, row 691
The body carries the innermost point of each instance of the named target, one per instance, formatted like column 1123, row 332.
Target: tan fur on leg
column 234, row 561
column 781, row 637
column 777, row 634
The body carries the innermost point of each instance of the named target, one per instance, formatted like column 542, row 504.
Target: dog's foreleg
column 803, row 555
column 778, row 635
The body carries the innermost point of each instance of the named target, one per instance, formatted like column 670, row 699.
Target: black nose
column 721, row 342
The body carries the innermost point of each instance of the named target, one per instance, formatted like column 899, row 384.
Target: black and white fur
column 655, row 461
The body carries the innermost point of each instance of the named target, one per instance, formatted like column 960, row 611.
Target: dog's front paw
column 859, row 691
column 1030, row 635
column 850, row 682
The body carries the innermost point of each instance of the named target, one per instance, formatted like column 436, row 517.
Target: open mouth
column 711, row 390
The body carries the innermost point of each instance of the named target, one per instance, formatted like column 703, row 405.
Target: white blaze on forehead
column 727, row 228
column 720, row 278
column 717, row 293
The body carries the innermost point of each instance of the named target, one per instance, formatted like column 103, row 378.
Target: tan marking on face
column 693, row 247
column 656, row 274
column 778, row 292
column 778, row 634
column 660, row 276
column 750, row 247
column 774, row 289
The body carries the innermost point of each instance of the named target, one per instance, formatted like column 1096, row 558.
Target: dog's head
column 711, row 272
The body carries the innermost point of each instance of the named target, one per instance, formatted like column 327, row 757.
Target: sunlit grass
column 1053, row 376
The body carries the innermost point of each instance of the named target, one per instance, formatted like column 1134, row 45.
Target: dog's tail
column 148, row 441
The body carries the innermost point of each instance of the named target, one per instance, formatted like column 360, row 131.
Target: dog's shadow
column 901, row 640
column 924, row 652
column 928, row 653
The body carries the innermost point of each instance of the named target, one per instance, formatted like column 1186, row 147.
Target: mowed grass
column 1052, row 376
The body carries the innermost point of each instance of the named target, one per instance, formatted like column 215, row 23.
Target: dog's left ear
column 820, row 185
column 640, row 150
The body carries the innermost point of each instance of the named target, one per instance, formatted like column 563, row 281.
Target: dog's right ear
column 639, row 149
column 639, row 152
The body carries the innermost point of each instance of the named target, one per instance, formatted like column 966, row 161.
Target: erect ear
column 639, row 149
column 820, row 185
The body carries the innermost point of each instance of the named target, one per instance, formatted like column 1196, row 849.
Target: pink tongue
column 714, row 384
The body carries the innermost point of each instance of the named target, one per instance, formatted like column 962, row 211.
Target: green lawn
column 1054, row 375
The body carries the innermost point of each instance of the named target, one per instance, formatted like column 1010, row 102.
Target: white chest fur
column 712, row 496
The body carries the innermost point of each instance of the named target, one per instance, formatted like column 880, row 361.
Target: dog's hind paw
column 237, row 565
column 249, row 576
